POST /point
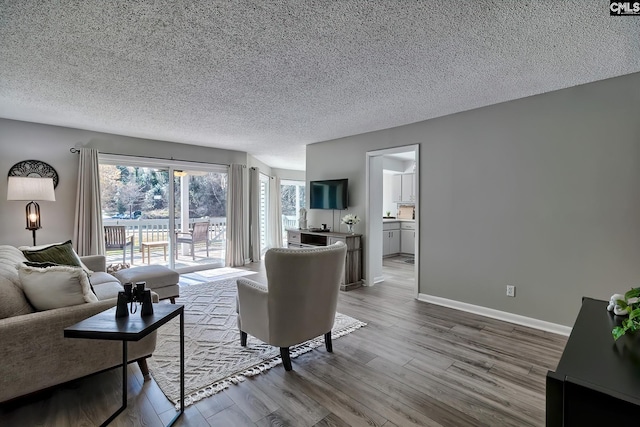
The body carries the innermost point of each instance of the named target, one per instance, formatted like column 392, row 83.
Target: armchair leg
column 327, row 342
column 286, row 358
column 132, row 253
column 243, row 338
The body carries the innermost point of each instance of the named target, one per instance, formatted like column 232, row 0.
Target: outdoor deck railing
column 289, row 223
column 153, row 230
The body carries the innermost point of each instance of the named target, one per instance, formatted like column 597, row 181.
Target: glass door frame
column 171, row 166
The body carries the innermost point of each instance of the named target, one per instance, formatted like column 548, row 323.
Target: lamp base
column 33, row 231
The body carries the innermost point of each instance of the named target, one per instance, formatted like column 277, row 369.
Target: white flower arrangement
column 350, row 219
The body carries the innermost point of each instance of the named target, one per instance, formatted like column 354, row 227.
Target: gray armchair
column 299, row 301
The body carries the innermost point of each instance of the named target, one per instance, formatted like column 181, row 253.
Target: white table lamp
column 31, row 189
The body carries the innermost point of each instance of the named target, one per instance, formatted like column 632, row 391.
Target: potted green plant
column 630, row 304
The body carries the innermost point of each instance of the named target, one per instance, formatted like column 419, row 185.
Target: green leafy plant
column 631, row 303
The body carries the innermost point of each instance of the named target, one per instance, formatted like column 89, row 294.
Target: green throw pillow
column 62, row 253
column 41, row 264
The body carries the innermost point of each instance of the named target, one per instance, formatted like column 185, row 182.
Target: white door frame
column 373, row 213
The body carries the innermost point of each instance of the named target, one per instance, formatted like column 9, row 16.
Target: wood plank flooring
column 415, row 364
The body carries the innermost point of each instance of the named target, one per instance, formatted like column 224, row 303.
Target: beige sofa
column 33, row 351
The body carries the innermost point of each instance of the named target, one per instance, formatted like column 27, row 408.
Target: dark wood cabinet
column 597, row 381
column 353, row 264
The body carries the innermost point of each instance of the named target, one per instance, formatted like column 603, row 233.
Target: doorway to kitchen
column 393, row 213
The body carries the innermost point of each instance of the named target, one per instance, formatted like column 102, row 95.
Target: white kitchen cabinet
column 390, row 242
column 390, row 238
column 408, row 194
column 396, row 188
column 403, row 188
column 408, row 242
column 408, row 238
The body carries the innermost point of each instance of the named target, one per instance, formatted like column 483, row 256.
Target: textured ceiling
column 269, row 77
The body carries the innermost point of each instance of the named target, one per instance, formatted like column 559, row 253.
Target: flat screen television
column 328, row 194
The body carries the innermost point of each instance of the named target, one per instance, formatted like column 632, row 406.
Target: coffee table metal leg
column 181, row 371
column 124, row 386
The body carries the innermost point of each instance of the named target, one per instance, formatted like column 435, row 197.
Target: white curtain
column 235, row 217
column 88, row 233
column 275, row 213
column 254, row 214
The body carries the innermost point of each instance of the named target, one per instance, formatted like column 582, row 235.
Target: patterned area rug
column 214, row 358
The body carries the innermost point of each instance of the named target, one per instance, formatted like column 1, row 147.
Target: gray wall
column 540, row 192
column 252, row 162
column 22, row 141
column 293, row 175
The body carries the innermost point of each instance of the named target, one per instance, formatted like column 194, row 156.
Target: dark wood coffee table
column 105, row 326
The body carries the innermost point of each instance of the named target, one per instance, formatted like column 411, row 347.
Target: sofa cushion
column 54, row 287
column 105, row 285
column 58, row 253
column 12, row 300
column 10, row 258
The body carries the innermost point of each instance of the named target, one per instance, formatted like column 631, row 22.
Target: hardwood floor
column 415, row 364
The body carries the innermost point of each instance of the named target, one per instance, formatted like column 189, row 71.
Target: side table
column 105, row 326
column 149, row 245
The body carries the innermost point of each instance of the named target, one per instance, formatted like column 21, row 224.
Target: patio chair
column 115, row 237
column 199, row 234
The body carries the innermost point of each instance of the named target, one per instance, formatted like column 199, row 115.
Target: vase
column 350, row 228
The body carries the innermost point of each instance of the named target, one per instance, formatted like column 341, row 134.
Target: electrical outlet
column 511, row 291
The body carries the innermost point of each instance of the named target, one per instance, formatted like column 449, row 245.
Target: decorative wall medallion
column 36, row 169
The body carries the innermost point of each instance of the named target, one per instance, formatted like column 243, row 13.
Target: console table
column 597, row 382
column 353, row 264
column 105, row 326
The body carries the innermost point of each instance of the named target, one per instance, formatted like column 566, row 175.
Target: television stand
column 352, row 278
column 597, row 377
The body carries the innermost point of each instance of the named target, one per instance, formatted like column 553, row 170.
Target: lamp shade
column 30, row 188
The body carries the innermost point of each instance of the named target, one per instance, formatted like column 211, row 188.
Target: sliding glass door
column 200, row 218
column 179, row 222
column 135, row 200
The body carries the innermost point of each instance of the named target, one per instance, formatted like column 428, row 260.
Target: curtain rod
column 76, row 150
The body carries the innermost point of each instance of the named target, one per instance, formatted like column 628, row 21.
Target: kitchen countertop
column 397, row 220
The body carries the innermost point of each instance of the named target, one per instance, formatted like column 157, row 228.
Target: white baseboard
column 365, row 282
column 497, row 314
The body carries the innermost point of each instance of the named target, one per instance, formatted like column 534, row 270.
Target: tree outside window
column 293, row 195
